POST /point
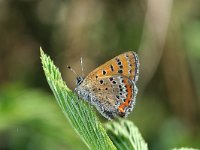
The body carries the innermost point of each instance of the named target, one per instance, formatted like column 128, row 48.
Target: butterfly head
column 81, row 90
column 78, row 89
column 79, row 80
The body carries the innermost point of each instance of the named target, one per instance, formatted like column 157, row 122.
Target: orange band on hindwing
column 129, row 95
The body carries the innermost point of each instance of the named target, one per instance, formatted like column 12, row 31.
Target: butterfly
column 111, row 87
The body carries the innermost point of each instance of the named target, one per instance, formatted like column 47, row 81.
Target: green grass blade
column 125, row 135
column 81, row 116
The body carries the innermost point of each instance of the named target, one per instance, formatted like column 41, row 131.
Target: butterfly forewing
column 126, row 64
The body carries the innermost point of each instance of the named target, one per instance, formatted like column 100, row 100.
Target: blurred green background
column 165, row 34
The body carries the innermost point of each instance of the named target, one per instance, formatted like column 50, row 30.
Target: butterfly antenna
column 70, row 68
column 81, row 60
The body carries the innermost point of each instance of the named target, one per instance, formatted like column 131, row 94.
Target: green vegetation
column 80, row 115
column 124, row 134
column 166, row 37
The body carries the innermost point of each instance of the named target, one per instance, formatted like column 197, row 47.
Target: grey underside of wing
column 108, row 98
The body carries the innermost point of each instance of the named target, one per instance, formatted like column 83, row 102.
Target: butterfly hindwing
column 116, row 95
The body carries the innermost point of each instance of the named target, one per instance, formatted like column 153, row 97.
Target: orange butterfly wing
column 126, row 64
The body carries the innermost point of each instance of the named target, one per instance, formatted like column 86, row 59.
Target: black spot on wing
column 112, row 68
column 120, row 71
column 101, row 81
column 104, row 72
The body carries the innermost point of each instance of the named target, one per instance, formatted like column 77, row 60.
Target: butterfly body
column 111, row 88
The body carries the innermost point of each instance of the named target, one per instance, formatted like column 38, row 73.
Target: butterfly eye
column 79, row 80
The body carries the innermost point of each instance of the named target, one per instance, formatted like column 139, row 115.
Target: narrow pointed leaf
column 81, row 116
